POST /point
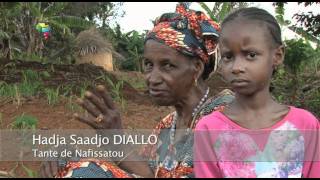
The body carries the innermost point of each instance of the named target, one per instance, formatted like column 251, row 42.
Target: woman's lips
column 156, row 92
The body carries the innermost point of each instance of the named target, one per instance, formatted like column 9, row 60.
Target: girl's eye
column 226, row 57
column 251, row 55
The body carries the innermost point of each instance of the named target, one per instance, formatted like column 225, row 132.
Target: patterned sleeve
column 215, row 103
column 150, row 151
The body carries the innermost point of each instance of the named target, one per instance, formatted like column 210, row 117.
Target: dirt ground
column 138, row 113
column 137, row 116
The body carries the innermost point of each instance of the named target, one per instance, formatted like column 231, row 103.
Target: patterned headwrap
column 188, row 31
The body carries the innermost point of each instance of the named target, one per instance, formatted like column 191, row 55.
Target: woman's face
column 169, row 74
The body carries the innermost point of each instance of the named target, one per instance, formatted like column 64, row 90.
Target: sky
column 138, row 15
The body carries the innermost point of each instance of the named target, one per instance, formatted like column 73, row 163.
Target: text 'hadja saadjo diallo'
column 98, row 140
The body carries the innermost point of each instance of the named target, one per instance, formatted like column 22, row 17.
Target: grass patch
column 31, row 173
column 24, row 122
column 7, row 90
column 52, row 96
column 30, row 85
column 137, row 82
column 72, row 106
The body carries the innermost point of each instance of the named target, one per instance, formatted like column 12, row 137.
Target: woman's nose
column 154, row 77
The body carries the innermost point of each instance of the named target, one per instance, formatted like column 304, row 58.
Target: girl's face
column 169, row 74
column 248, row 56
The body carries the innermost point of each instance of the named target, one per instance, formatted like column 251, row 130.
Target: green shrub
column 52, row 96
column 24, row 122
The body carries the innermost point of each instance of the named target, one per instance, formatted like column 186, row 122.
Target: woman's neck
column 187, row 105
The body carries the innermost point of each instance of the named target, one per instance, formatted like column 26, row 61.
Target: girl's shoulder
column 303, row 118
column 214, row 120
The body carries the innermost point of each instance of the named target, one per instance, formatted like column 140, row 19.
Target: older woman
column 179, row 56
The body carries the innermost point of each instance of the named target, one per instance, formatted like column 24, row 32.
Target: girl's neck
column 245, row 110
column 255, row 102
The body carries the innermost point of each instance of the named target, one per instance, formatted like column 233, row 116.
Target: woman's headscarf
column 188, row 31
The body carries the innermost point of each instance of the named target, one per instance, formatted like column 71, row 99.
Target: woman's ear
column 199, row 68
column 279, row 56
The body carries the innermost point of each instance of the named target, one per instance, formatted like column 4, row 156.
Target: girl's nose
column 238, row 66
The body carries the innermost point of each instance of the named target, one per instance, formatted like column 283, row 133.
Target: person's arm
column 99, row 104
column 132, row 164
column 110, row 120
column 136, row 165
column 132, row 161
column 311, row 166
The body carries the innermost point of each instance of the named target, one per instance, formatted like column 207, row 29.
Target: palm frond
column 216, row 9
column 72, row 21
column 224, row 10
column 62, row 28
column 304, row 34
column 34, row 9
column 15, row 12
column 54, row 8
column 13, row 9
column 4, row 35
column 208, row 10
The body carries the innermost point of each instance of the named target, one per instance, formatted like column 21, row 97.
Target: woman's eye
column 168, row 66
column 148, row 65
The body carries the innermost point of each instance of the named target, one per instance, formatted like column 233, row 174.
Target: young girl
column 254, row 136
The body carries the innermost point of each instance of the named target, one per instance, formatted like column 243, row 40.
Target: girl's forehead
column 245, row 31
column 242, row 25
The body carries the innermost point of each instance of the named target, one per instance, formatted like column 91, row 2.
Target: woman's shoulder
column 213, row 103
column 166, row 122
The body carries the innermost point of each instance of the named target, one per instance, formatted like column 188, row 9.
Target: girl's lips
column 239, row 82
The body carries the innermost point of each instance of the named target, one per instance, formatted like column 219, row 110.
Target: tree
column 309, row 27
column 298, row 82
column 135, row 48
column 98, row 12
column 50, row 13
column 130, row 45
column 280, row 14
column 9, row 10
column 297, row 52
column 20, row 21
column 221, row 9
column 310, row 21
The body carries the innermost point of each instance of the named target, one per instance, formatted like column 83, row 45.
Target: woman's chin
column 162, row 101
